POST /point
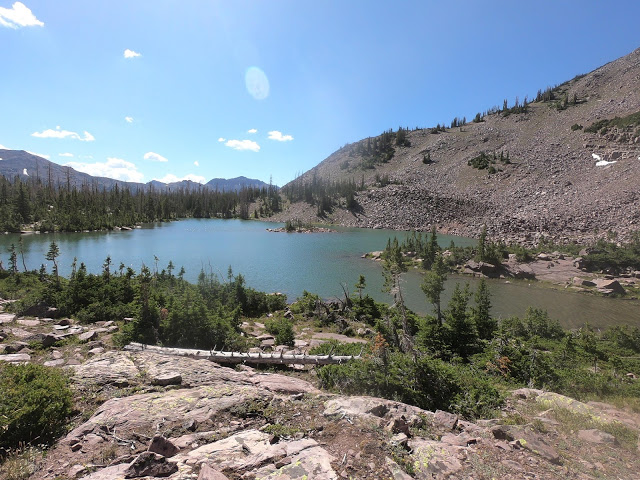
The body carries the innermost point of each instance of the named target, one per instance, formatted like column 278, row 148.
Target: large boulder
column 149, row 464
column 610, row 286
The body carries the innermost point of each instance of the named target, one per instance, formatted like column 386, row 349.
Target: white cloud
column 253, row 130
column 128, row 119
column 113, row 168
column 17, row 16
column 2, row 147
column 196, row 163
column 65, row 154
column 276, row 135
column 131, row 54
column 222, row 139
column 171, row 178
column 154, row 157
column 40, row 155
column 243, row 145
column 59, row 133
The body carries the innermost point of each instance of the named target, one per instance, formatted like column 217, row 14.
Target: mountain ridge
column 15, row 162
column 566, row 179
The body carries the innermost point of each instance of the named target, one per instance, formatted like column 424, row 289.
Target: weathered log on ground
column 241, row 357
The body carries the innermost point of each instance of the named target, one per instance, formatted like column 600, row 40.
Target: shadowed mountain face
column 18, row 163
column 566, row 166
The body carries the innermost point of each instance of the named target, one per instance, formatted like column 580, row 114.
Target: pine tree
column 52, row 255
column 13, row 260
column 485, row 325
column 481, row 254
column 433, row 284
column 463, row 335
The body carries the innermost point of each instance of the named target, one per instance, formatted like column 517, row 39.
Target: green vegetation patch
column 35, row 405
column 485, row 161
column 603, row 126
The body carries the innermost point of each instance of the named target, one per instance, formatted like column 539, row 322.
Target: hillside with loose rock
column 565, row 167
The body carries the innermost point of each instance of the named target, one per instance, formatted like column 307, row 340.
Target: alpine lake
column 289, row 263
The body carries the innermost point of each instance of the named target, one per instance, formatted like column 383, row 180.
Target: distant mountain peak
column 23, row 164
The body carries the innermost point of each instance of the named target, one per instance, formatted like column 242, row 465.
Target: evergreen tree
column 462, row 331
column 433, row 284
column 360, row 286
column 52, row 255
column 431, row 250
column 481, row 253
column 13, row 260
column 485, row 325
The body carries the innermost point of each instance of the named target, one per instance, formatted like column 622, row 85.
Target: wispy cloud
column 243, row 145
column 171, row 178
column 113, row 168
column 42, row 155
column 154, row 157
column 196, row 163
column 128, row 119
column 2, row 147
column 18, row 16
column 65, row 154
column 253, row 130
column 276, row 135
column 131, row 54
column 59, row 133
column 221, row 139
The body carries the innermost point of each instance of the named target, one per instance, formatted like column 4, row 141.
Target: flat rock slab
column 208, row 473
column 20, row 333
column 28, row 323
column 88, row 336
column 379, row 410
column 15, row 357
column 337, row 336
column 434, row 460
column 115, row 472
column 142, row 413
column 126, row 367
column 167, row 379
column 555, row 400
column 251, row 451
column 54, row 363
column 6, row 318
column 597, row 436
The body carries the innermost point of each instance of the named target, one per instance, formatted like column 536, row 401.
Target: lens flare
column 257, row 83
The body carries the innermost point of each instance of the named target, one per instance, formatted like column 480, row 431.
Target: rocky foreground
column 181, row 418
column 147, row 415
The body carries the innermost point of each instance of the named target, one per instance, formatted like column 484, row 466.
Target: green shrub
column 305, row 304
column 575, row 127
column 34, row 406
column 282, row 329
column 425, row 382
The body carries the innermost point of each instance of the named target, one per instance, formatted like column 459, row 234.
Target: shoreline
column 551, row 271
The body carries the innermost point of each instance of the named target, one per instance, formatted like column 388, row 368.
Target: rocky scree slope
column 561, row 181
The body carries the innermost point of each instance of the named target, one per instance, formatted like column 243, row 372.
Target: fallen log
column 242, row 357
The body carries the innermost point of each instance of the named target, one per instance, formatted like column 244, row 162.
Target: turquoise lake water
column 293, row 262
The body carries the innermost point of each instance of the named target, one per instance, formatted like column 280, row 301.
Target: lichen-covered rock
column 251, row 451
column 433, row 460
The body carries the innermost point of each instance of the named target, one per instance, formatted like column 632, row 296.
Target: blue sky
column 142, row 90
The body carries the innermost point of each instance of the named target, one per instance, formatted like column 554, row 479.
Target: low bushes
column 34, row 405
